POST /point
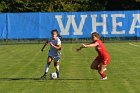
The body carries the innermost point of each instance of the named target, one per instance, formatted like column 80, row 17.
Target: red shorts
column 104, row 60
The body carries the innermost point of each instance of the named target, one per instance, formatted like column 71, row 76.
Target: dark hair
column 95, row 34
column 55, row 30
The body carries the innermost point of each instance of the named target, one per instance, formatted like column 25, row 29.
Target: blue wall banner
column 69, row 24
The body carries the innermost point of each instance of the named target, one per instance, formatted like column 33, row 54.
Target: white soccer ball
column 53, row 75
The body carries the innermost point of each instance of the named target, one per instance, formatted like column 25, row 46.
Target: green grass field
column 22, row 65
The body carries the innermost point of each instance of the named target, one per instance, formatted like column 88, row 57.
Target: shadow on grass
column 10, row 79
column 38, row 79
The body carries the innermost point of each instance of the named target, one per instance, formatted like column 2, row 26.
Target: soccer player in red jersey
column 103, row 58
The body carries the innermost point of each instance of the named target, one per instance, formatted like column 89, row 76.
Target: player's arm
column 90, row 45
column 58, row 47
column 78, row 49
column 44, row 45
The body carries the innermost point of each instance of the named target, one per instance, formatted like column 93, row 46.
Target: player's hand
column 51, row 43
column 42, row 50
column 83, row 45
column 78, row 49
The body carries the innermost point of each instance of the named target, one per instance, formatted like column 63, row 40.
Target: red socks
column 102, row 74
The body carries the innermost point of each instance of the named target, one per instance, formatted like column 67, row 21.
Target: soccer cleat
column 105, row 78
column 104, row 69
column 44, row 76
column 58, row 74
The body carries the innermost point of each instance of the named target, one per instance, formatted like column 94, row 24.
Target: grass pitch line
column 134, row 45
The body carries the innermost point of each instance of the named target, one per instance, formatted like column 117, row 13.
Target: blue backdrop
column 70, row 24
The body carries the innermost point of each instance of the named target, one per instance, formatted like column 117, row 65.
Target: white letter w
column 71, row 20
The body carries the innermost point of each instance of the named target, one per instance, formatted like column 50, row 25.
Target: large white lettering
column 115, row 24
column 78, row 30
column 104, row 23
column 136, row 18
column 71, row 21
column 64, row 31
column 95, row 23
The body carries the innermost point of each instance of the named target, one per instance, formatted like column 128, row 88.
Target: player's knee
column 93, row 67
column 55, row 65
column 48, row 63
column 100, row 71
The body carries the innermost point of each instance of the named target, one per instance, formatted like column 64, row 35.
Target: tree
column 3, row 6
column 65, row 5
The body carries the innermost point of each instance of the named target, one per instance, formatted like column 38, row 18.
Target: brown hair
column 96, row 35
column 55, row 30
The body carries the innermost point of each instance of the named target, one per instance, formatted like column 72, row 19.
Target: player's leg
column 48, row 64
column 95, row 64
column 101, row 71
column 102, row 68
column 49, row 60
column 56, row 65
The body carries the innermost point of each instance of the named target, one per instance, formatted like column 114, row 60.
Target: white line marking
column 134, row 45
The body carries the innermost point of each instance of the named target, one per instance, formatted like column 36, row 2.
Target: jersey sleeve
column 97, row 42
column 58, row 41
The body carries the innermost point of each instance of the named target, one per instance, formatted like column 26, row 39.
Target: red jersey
column 101, row 49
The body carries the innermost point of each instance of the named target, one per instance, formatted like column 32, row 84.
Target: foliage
column 49, row 5
column 66, row 5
